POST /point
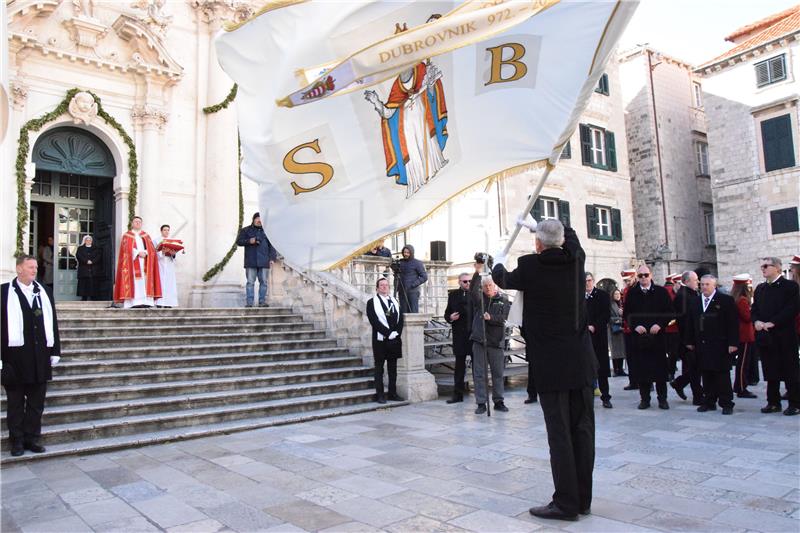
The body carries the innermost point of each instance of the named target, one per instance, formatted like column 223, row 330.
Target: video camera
column 483, row 258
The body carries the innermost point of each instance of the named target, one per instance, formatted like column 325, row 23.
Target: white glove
column 500, row 257
column 392, row 335
column 527, row 222
column 54, row 359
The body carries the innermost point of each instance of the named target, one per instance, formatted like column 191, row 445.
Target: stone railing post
column 414, row 382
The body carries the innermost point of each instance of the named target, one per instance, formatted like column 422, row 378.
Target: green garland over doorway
column 216, row 269
column 23, row 147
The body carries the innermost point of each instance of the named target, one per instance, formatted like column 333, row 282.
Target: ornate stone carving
column 155, row 19
column 86, row 31
column 83, row 108
column 214, row 12
column 19, row 94
column 148, row 115
column 83, row 8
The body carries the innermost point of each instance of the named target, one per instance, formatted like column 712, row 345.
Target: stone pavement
column 429, row 467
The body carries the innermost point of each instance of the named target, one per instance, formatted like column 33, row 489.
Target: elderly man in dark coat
column 776, row 302
column 30, row 345
column 687, row 298
column 459, row 315
column 554, row 320
column 713, row 334
column 598, row 313
column 648, row 310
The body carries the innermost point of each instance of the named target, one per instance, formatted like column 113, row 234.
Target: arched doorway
column 72, row 196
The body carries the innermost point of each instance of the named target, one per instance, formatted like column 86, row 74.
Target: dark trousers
column 409, row 300
column 792, row 390
column 717, row 388
column 619, row 366
column 690, row 375
column 25, row 405
column 673, row 352
column 531, row 381
column 743, row 365
column 661, row 390
column 602, row 384
column 461, row 349
column 569, row 418
column 391, row 366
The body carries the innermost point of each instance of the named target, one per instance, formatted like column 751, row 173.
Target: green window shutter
column 616, row 224
column 611, row 152
column 536, row 211
column 591, row 222
column 776, row 137
column 566, row 152
column 563, row 213
column 586, row 145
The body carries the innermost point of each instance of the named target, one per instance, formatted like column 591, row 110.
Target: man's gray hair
column 465, row 274
column 550, row 233
column 707, row 277
column 686, row 276
column 486, row 280
column 774, row 260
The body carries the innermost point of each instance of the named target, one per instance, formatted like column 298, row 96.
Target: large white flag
column 358, row 118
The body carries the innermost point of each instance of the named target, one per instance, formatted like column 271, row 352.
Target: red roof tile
column 759, row 24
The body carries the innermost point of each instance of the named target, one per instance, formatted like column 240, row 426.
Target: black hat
column 256, row 215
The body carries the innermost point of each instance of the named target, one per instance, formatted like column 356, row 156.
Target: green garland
column 216, row 269
column 223, row 104
column 24, row 146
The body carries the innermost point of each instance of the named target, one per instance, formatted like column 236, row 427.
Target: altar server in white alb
column 167, row 249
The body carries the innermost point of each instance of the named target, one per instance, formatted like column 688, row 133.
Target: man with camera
column 489, row 313
column 459, row 315
column 409, row 274
column 259, row 255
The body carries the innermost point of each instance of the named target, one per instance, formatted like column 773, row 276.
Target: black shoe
column 34, row 447
column 457, row 397
column 17, row 449
column 705, row 408
column 380, row 399
column 678, row 390
column 531, row 399
column 791, row 411
column 745, row 394
column 607, row 405
column 697, row 402
column 500, row 406
column 394, row 397
column 771, row 408
column 630, row 387
column 644, row 405
column 552, row 512
column 480, row 409
column 586, row 511
column 662, row 404
column 727, row 410
column 620, row 374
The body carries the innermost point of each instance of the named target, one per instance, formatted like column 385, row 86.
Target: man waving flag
column 358, row 118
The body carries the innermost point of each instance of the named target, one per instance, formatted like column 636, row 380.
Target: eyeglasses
column 643, row 275
column 464, row 280
column 766, row 266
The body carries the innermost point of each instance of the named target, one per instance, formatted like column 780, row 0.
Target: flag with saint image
column 359, row 118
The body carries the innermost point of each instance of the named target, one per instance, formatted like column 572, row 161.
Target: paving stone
column 422, row 523
column 167, row 511
column 361, row 452
column 93, row 494
column 285, row 528
column 327, row 495
column 16, row 473
column 387, row 473
column 372, row 512
column 305, row 438
column 681, row 522
column 132, row 524
column 94, row 462
column 487, row 467
column 67, row 524
column 430, row 506
column 111, row 477
column 353, row 527
column 232, row 460
column 747, row 486
column 138, row 491
column 201, row 526
column 497, row 483
column 625, row 512
column 241, row 517
column 261, row 495
column 201, row 496
column 775, row 478
column 104, row 511
column 683, row 506
column 308, row 515
column 366, row 486
column 489, row 500
column 597, row 524
column 489, row 521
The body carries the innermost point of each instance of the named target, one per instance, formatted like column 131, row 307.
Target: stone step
column 146, row 339
column 176, row 312
column 234, row 371
column 194, row 400
column 202, row 430
column 142, row 424
column 145, row 352
column 221, row 327
column 126, row 321
column 171, row 361
column 75, row 397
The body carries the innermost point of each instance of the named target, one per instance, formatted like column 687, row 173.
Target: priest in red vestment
column 138, row 283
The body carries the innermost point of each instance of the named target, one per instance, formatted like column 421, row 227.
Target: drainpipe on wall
column 650, row 68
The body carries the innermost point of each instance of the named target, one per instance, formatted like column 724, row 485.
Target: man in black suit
column 554, row 320
column 598, row 313
column 648, row 310
column 30, row 347
column 713, row 334
column 687, row 298
column 776, row 303
column 459, row 314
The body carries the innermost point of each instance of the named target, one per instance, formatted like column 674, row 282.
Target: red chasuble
column 128, row 269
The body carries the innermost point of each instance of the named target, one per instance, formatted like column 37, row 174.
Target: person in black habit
column 713, row 335
column 776, row 303
column 30, row 346
column 459, row 315
column 687, row 298
column 598, row 313
column 386, row 319
column 554, row 320
column 648, row 310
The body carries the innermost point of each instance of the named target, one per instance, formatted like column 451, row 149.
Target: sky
column 694, row 30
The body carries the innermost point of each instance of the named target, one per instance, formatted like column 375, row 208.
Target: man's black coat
column 459, row 300
column 598, row 313
column 712, row 331
column 777, row 302
column 554, row 316
column 646, row 308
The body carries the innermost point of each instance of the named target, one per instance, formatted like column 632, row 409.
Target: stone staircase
column 143, row 376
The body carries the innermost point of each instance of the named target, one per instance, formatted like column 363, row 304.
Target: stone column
column 149, row 121
column 30, row 175
column 414, row 382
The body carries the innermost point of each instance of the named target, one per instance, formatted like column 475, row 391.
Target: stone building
column 668, row 155
column 134, row 129
column 589, row 189
column 751, row 100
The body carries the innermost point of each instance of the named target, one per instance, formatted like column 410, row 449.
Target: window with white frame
column 697, row 94
column 708, row 220
column 603, row 222
column 701, row 158
column 549, row 208
column 598, row 147
column 771, row 70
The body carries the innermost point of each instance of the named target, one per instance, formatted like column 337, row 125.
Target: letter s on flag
column 293, row 167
